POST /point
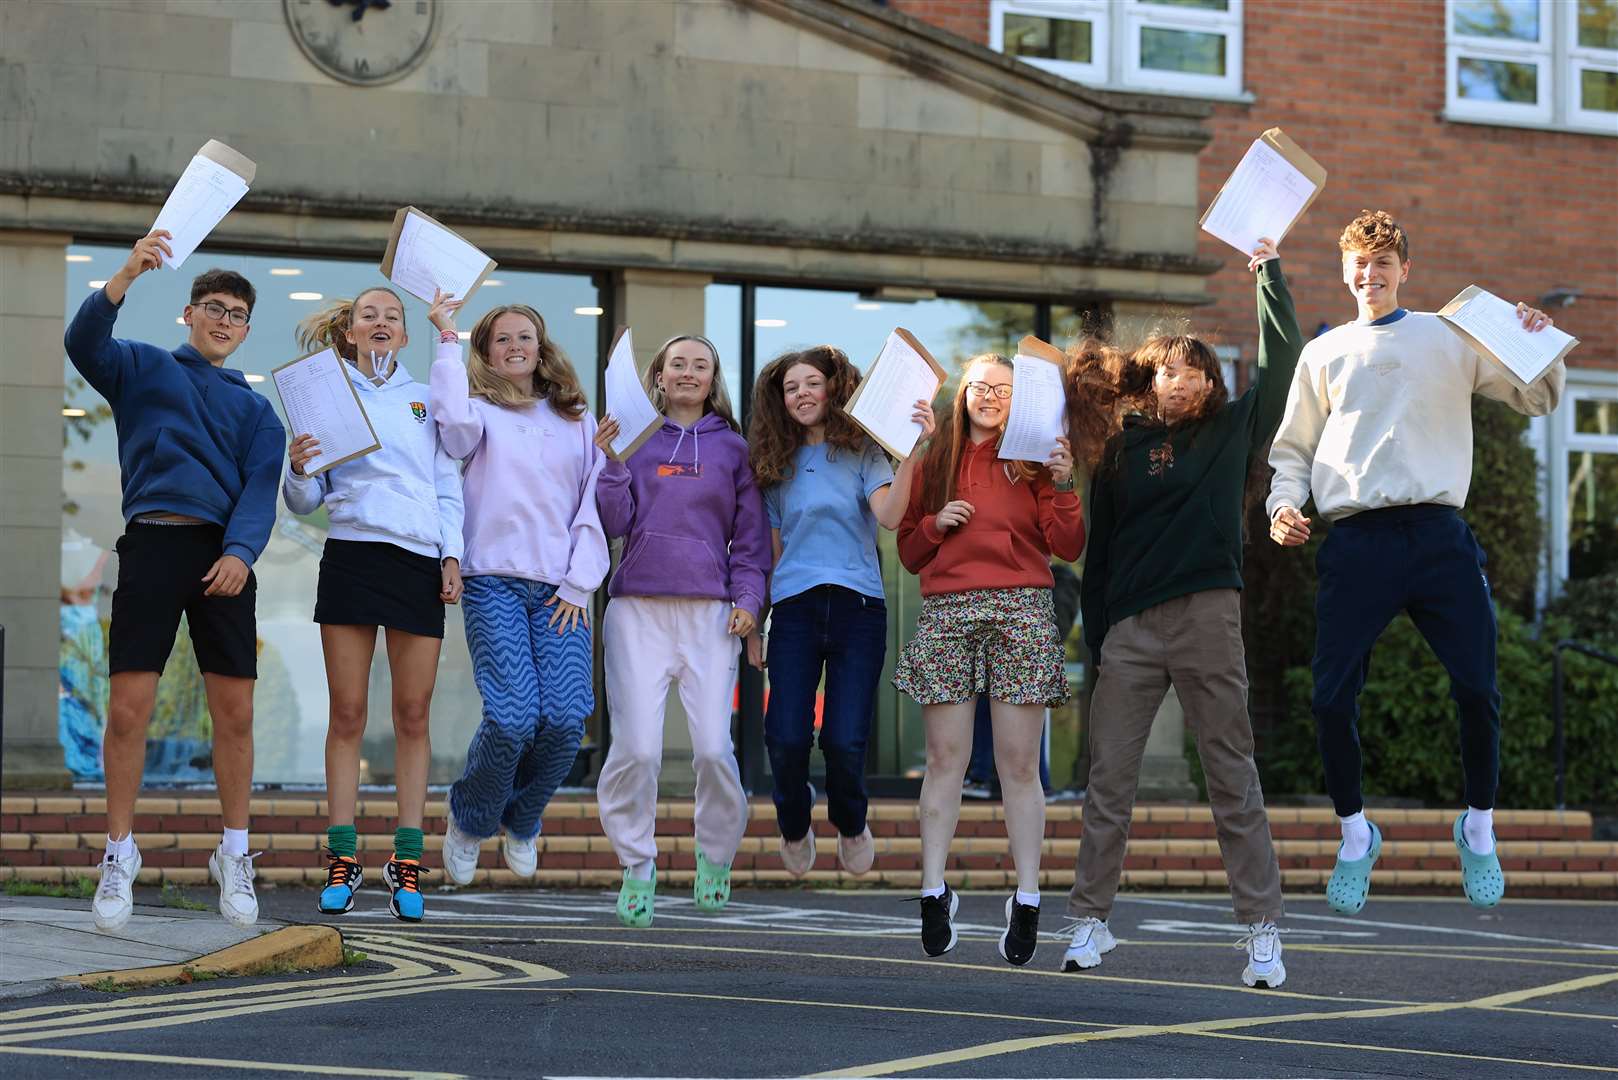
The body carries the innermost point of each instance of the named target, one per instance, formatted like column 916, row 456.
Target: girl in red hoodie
column 981, row 533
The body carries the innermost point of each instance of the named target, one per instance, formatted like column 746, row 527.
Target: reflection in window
column 1497, row 80
column 1598, row 90
column 1598, row 24
column 1516, row 20
column 1184, row 51
column 1051, row 39
column 290, row 700
column 1592, row 500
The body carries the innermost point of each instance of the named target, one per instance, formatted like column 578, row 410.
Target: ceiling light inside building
column 255, row 378
column 585, row 310
column 285, row 271
column 78, row 258
column 98, row 284
column 865, row 305
column 464, row 335
column 180, row 319
column 72, row 412
column 493, row 283
column 305, row 296
column 770, row 324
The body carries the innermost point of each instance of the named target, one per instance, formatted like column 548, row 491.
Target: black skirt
column 363, row 583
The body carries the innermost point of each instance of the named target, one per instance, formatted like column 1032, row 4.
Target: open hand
column 226, row 577
column 442, row 312
column 569, row 615
column 1263, row 253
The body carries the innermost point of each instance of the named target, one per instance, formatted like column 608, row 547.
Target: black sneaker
column 938, row 922
column 1022, row 932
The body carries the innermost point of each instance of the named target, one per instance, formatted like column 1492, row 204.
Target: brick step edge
column 1521, row 885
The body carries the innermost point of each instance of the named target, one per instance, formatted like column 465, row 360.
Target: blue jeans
column 846, row 634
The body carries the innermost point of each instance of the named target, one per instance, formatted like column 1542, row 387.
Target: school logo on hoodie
column 418, row 409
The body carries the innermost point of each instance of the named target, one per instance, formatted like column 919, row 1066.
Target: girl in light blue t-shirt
column 826, row 488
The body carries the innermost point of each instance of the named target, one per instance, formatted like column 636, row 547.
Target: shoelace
column 113, row 871
column 1074, row 927
column 405, row 873
column 340, row 870
column 1256, row 931
column 239, row 872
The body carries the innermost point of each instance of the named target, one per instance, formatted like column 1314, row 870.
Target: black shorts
column 160, row 571
column 369, row 583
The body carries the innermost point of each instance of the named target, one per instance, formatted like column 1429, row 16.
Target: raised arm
column 1061, row 521
column 889, row 501
column 460, row 424
column 1280, row 342
column 919, row 534
column 303, row 493
column 103, row 361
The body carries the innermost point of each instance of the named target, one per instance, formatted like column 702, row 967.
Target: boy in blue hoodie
column 200, row 455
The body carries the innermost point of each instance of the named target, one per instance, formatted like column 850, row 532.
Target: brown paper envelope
column 921, row 350
column 376, row 444
column 393, row 248
column 639, row 440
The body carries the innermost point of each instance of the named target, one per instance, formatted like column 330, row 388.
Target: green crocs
column 711, row 889
column 635, row 900
column 1481, row 878
column 1350, row 880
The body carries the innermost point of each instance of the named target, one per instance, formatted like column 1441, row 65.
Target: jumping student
column 391, row 560
column 1378, row 426
column 535, row 554
column 200, row 453
column 981, row 532
column 689, row 587
column 827, row 487
column 1161, row 597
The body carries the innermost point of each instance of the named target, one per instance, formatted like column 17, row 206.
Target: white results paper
column 627, row 401
column 320, row 401
column 1038, row 410
column 886, row 399
column 207, row 191
column 1263, row 197
column 425, row 255
column 1493, row 324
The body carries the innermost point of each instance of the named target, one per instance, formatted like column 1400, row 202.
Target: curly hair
column 1157, row 353
column 553, row 380
column 1092, row 379
column 329, row 327
column 1374, row 231
column 773, row 436
column 941, row 460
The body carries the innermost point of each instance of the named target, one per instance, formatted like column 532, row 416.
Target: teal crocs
column 711, row 889
column 635, row 901
column 1350, row 881
column 1481, row 878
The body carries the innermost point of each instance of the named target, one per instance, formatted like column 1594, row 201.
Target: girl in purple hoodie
column 687, row 591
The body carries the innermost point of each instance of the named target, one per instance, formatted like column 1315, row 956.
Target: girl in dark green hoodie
column 1161, row 598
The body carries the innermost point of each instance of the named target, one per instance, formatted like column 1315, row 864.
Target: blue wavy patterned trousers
column 537, row 690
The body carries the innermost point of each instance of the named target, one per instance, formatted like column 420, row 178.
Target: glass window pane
column 1592, row 518
column 1185, row 51
column 1514, row 20
column 1598, row 90
column 1203, row 5
column 1598, row 24
column 291, row 704
column 722, row 322
column 1496, row 80
column 1049, row 39
column 1593, row 416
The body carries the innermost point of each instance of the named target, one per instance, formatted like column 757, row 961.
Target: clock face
column 365, row 42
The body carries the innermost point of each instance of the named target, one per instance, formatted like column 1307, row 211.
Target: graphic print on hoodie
column 692, row 515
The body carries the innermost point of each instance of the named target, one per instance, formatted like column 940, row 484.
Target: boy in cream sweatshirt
column 1378, row 425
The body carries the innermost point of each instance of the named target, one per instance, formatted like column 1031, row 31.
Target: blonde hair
column 554, row 378
column 718, row 400
column 1374, row 231
column 329, row 327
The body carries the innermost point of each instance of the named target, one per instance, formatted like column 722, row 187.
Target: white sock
column 1477, row 829
column 121, row 849
column 1028, row 899
column 234, row 842
column 936, row 890
column 1356, row 837
column 643, row 871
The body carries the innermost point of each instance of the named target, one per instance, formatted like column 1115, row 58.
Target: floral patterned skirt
column 1001, row 642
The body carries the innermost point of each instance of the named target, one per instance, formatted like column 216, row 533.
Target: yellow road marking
column 225, row 1063
column 1012, row 1046
column 536, row 971
column 1404, row 1050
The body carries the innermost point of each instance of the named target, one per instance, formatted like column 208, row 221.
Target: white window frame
column 1141, row 14
column 1097, row 13
column 1583, row 384
column 1579, row 59
column 1558, row 59
column 1115, row 44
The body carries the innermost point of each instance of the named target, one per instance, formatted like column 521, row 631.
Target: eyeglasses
column 216, row 310
column 981, row 389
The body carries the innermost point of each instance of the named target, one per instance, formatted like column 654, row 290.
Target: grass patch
column 187, row 976
column 175, row 897
column 80, row 888
column 353, row 956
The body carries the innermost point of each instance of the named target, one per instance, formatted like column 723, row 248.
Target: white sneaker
column 1091, row 941
column 115, row 899
column 234, row 875
column 1263, row 944
column 460, row 854
column 522, row 856
column 799, row 855
column 856, row 853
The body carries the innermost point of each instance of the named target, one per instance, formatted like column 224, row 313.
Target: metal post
column 1556, row 720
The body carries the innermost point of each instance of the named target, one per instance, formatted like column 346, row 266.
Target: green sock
column 342, row 840
column 407, row 843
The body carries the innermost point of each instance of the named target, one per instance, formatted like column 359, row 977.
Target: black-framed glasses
column 216, row 310
column 981, row 389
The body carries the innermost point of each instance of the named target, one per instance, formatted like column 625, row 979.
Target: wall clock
column 364, row 42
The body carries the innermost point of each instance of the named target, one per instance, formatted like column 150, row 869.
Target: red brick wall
column 1361, row 87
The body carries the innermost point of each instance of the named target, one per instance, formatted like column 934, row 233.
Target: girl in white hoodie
column 392, row 559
